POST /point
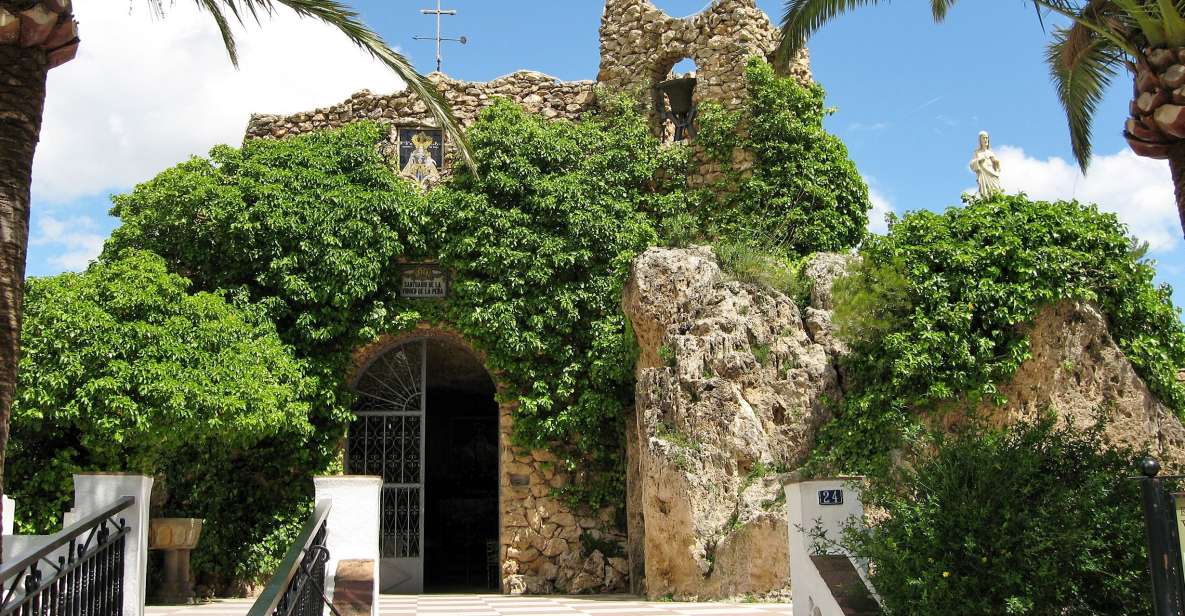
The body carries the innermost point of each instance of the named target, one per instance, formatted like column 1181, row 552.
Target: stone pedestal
column 177, row 537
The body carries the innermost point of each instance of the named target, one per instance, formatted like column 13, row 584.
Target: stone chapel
column 459, row 505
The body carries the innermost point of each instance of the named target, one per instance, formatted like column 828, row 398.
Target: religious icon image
column 421, row 155
column 986, row 167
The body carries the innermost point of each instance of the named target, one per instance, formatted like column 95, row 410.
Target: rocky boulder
column 1076, row 370
column 732, row 386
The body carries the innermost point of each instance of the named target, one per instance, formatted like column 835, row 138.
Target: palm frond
column 939, row 8
column 228, row 36
column 1174, row 24
column 338, row 15
column 1144, row 21
column 1082, row 65
column 802, row 18
column 1095, row 18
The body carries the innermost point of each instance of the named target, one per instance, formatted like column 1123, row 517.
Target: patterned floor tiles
column 499, row 605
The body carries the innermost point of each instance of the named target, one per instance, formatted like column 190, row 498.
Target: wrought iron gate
column 387, row 439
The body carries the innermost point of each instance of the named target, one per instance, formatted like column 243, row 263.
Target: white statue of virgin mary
column 986, row 167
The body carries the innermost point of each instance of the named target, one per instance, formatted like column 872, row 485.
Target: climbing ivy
column 935, row 313
column 787, row 184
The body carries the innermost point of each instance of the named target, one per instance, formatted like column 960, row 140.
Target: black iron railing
column 1164, row 541
column 298, row 587
column 79, row 571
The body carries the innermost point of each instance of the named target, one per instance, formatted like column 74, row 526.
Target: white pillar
column 9, row 514
column 94, row 492
column 352, row 529
column 828, row 505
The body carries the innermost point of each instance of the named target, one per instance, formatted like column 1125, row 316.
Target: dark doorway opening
column 461, row 474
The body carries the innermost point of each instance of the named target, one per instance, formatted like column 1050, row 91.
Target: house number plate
column 830, row 497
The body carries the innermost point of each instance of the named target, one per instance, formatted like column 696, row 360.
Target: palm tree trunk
column 22, row 100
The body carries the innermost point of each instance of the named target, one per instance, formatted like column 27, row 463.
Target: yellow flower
column 946, row 574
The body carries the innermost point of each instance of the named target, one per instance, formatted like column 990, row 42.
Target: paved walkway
column 500, row 605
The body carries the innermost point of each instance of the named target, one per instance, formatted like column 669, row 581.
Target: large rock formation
column 733, row 383
column 732, row 386
column 1076, row 369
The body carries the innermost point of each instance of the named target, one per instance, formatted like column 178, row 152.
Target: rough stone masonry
column 640, row 45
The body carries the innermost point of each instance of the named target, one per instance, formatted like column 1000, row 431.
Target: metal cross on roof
column 439, row 12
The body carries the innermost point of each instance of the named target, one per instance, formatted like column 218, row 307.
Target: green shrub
column 123, row 369
column 754, row 262
column 802, row 193
column 1041, row 520
column 935, row 314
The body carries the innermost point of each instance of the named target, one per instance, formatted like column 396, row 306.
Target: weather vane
column 438, row 12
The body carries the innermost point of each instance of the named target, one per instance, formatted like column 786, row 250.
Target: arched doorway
column 426, row 421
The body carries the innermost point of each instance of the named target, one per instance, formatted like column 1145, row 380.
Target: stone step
column 353, row 590
column 846, row 585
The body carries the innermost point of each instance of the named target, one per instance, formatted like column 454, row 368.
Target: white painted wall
column 352, row 530
column 805, row 513
column 94, row 492
column 9, row 514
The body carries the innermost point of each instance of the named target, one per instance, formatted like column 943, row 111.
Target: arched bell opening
column 675, row 102
column 426, row 421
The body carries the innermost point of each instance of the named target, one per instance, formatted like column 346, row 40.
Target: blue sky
column 910, row 97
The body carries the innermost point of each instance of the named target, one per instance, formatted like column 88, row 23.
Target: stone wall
column 536, row 92
column 542, row 537
column 640, row 44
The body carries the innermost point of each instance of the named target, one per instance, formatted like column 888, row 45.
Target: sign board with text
column 423, row 281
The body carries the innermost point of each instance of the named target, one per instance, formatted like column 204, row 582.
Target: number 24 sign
column 830, row 497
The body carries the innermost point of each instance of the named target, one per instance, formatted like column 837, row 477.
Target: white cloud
column 857, row 127
column 1138, row 190
column 881, row 207
column 75, row 241
column 146, row 93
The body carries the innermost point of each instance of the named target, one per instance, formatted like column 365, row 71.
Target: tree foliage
column 1039, row 520
column 311, row 228
column 936, row 310
column 124, row 369
column 541, row 245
